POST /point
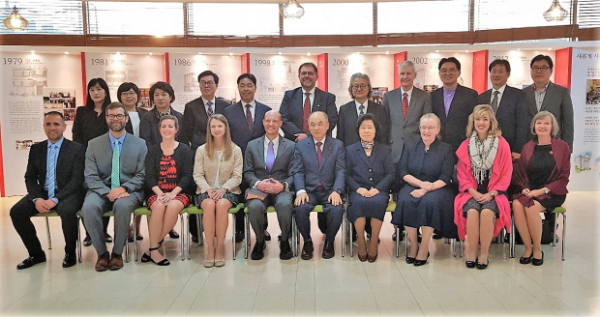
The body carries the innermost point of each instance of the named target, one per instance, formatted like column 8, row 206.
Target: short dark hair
column 102, row 83
column 169, row 117
column 247, row 75
column 449, row 60
column 542, row 57
column 309, row 64
column 365, row 117
column 164, row 87
column 54, row 113
column 501, row 62
column 127, row 86
column 209, row 73
column 117, row 105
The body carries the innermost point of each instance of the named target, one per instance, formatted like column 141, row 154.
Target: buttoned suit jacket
column 348, row 119
column 254, row 162
column 292, row 110
column 238, row 126
column 307, row 171
column 195, row 121
column 376, row 171
column 454, row 125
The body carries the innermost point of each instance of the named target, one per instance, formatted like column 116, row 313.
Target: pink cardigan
column 499, row 180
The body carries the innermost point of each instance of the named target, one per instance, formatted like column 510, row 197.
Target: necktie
column 319, row 152
column 495, row 101
column 209, row 112
column 361, row 110
column 306, row 112
column 405, row 104
column 270, row 157
column 116, row 168
column 249, row 118
column 51, row 171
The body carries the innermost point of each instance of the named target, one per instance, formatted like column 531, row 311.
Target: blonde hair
column 431, row 115
column 542, row 115
column 478, row 112
column 210, row 140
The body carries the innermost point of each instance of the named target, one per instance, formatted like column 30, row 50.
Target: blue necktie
column 270, row 157
column 51, row 171
column 116, row 168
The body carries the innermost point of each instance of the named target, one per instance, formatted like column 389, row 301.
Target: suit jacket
column 149, row 127
column 254, row 162
column 558, row 102
column 195, row 121
column 454, row 126
column 292, row 110
column 230, row 171
column 362, row 171
column 69, row 170
column 240, row 132
column 98, row 164
column 405, row 130
column 307, row 171
column 513, row 116
column 184, row 162
column 348, row 119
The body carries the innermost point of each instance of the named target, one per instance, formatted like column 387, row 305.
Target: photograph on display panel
column 592, row 95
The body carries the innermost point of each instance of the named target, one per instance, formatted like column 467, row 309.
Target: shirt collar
column 251, row 103
column 501, row 90
column 446, row 90
column 545, row 87
column 58, row 143
column 275, row 141
column 409, row 92
column 358, row 104
column 113, row 139
column 322, row 141
column 312, row 91
column 206, row 101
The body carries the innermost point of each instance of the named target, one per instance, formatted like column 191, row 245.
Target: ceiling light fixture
column 15, row 21
column 555, row 12
column 292, row 10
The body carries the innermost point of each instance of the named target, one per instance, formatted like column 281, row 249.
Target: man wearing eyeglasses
column 114, row 173
column 546, row 95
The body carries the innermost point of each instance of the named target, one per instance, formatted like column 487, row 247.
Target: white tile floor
column 341, row 286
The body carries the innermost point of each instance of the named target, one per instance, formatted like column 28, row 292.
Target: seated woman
column 169, row 168
column 369, row 174
column 218, row 174
column 425, row 201
column 540, row 181
column 484, row 170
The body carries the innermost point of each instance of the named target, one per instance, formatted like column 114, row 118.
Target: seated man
column 53, row 178
column 318, row 171
column 267, row 171
column 114, row 174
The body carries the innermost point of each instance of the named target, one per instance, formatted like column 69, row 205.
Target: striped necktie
column 116, row 167
column 51, row 171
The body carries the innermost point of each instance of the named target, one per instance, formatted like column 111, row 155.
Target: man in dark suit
column 245, row 124
column 509, row 104
column 114, row 174
column 299, row 103
column 452, row 103
column 195, row 119
column 546, row 95
column 267, row 172
column 53, row 178
column 318, row 171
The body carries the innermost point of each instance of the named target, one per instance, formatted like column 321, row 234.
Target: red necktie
column 405, row 105
column 319, row 152
column 249, row 118
column 306, row 113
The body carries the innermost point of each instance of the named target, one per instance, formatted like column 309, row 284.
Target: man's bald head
column 318, row 125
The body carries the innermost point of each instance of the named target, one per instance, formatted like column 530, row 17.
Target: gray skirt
column 473, row 204
column 233, row 198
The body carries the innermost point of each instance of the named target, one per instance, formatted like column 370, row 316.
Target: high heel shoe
column 362, row 258
column 481, row 266
column 471, row 264
column 409, row 260
column 537, row 262
column 148, row 258
column 421, row 262
column 372, row 258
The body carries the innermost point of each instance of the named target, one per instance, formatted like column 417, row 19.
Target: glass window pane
column 46, row 16
column 332, row 19
column 588, row 13
column 135, row 18
column 423, row 16
column 508, row 14
column 238, row 19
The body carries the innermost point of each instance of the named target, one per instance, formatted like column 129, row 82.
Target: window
column 423, row 16
column 332, row 19
column 135, row 18
column 507, row 14
column 588, row 14
column 239, row 19
column 46, row 16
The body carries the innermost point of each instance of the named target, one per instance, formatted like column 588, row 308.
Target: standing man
column 195, row 119
column 318, row 171
column 452, row 103
column 546, row 95
column 53, row 178
column 114, row 174
column 511, row 111
column 267, row 172
column 245, row 124
column 405, row 106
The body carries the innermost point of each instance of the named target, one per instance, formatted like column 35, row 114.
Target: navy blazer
column 348, row 120
column 238, row 126
column 308, row 173
column 454, row 126
column 292, row 110
column 149, row 127
column 368, row 172
column 513, row 116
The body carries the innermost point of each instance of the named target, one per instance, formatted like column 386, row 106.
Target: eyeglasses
column 427, row 128
column 128, row 93
column 451, row 70
column 307, row 74
column 243, row 86
column 537, row 69
column 116, row 116
column 356, row 87
column 207, row 83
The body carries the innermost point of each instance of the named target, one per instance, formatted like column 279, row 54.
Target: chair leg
column 127, row 244
column 344, row 235
column 78, row 245
column 294, row 237
column 351, row 233
column 246, row 236
column 554, row 237
column 564, row 235
column 200, row 230
column 397, row 242
column 512, row 240
column 135, row 234
column 48, row 232
column 187, row 232
column 233, row 224
column 461, row 248
column 183, row 237
column 453, row 247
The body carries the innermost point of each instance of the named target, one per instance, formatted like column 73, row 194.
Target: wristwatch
column 339, row 191
column 492, row 194
column 546, row 191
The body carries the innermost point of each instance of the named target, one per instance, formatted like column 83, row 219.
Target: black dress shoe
column 258, row 251
column 307, row 251
column 401, row 236
column 471, row 264
column 481, row 266
column 267, row 235
column 239, row 236
column 285, row 251
column 87, row 241
column 194, row 239
column 421, row 262
column 328, row 250
column 107, row 237
column 537, row 262
column 69, row 260
column 173, row 234
column 525, row 260
column 409, row 260
column 31, row 261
